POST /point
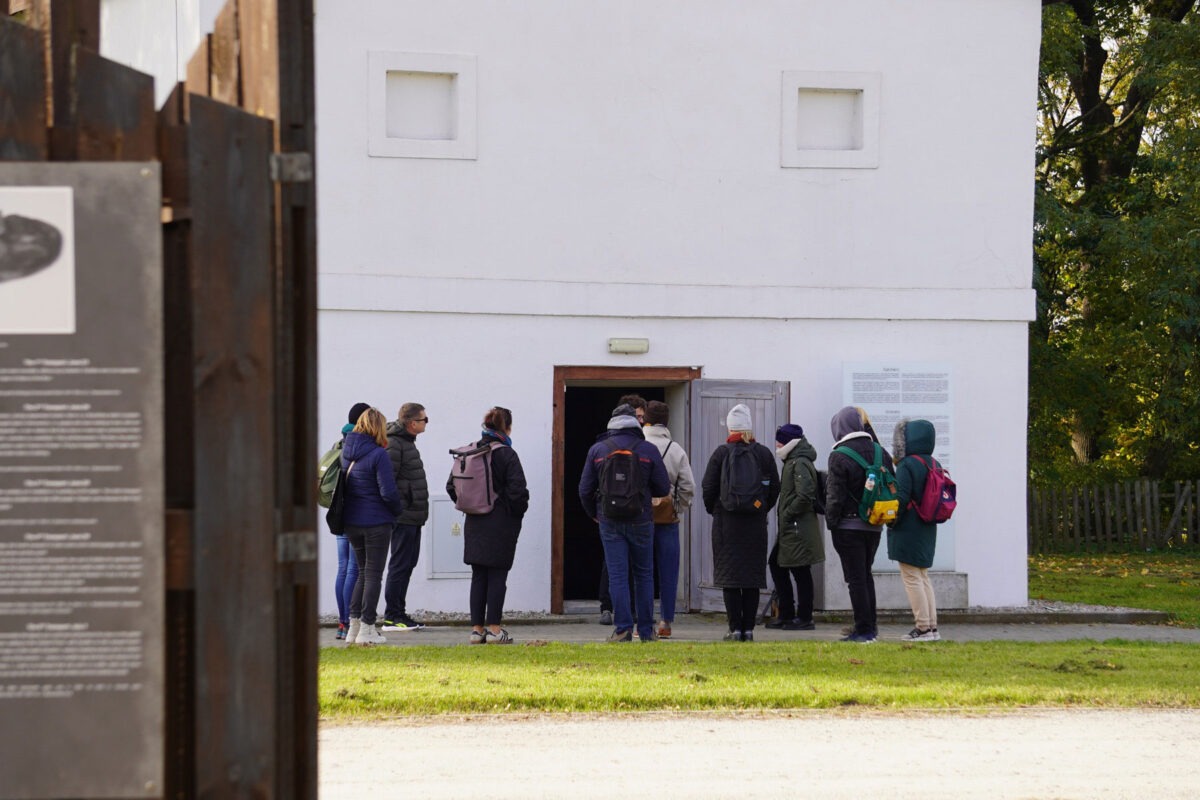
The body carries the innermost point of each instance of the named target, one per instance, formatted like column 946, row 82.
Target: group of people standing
column 635, row 547
column 387, row 503
column 911, row 541
column 635, row 484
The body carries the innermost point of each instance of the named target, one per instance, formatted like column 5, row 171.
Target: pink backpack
column 471, row 475
column 940, row 497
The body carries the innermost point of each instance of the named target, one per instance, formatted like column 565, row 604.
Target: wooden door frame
column 563, row 375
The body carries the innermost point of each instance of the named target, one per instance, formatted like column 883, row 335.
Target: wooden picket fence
column 1141, row 514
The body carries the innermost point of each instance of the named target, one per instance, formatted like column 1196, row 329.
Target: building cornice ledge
column 552, row 298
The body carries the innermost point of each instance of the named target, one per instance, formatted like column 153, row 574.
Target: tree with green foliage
column 1114, row 384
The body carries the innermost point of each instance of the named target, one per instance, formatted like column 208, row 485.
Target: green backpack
column 328, row 469
column 880, row 500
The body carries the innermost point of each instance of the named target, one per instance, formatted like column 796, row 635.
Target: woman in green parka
column 799, row 544
column 910, row 540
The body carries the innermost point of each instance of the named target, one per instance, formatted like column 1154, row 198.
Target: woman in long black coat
column 739, row 540
column 490, row 540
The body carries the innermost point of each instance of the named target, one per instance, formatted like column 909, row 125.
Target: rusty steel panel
column 259, row 51
column 296, row 404
column 298, row 259
column 22, row 93
column 172, row 152
column 198, row 70
column 64, row 25
column 224, row 64
column 232, row 290
column 114, row 112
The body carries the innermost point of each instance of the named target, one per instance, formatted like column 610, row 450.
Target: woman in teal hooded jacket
column 910, row 540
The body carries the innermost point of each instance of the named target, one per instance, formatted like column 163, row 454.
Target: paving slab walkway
column 832, row 755
column 712, row 627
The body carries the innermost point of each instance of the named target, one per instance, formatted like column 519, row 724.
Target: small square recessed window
column 830, row 120
column 421, row 105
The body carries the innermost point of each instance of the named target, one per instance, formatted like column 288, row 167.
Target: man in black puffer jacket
column 854, row 539
column 406, row 533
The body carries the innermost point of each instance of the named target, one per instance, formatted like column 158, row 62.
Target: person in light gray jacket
column 667, row 509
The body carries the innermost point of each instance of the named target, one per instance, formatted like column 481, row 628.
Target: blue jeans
column 347, row 576
column 370, row 549
column 630, row 544
column 666, row 561
column 405, row 550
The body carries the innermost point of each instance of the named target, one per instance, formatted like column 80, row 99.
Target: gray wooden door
column 710, row 403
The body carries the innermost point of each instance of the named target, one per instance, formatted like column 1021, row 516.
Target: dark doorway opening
column 587, row 411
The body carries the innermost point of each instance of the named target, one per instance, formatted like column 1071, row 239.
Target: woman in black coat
column 490, row 540
column 739, row 539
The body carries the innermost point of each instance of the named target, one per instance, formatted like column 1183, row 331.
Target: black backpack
column 822, row 490
column 743, row 490
column 619, row 491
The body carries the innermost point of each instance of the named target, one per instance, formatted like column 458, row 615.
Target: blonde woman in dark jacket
column 372, row 502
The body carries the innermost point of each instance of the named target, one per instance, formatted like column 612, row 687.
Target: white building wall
column 388, row 359
column 626, row 180
column 626, row 141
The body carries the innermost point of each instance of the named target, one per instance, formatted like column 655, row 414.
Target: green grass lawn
column 1160, row 581
column 377, row 683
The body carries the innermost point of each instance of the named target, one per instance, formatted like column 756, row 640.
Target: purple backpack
column 471, row 476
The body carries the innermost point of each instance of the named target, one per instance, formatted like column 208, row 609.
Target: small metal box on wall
column 446, row 540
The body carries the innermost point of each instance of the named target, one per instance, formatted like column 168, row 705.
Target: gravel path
column 832, row 755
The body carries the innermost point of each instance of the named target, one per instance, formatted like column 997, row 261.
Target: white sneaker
column 352, row 632
column 368, row 635
column 919, row 635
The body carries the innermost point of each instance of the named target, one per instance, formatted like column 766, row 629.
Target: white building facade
column 764, row 196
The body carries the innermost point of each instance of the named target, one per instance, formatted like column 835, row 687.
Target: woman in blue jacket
column 372, row 504
column 347, row 569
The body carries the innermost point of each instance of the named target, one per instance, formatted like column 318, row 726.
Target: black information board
column 81, row 481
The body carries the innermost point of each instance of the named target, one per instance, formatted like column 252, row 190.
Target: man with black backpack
column 622, row 473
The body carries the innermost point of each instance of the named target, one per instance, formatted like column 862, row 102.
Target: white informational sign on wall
column 891, row 392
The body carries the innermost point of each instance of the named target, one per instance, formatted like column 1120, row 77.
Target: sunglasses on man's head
column 422, row 419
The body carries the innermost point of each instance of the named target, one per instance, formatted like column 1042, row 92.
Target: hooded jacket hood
column 632, row 430
column 913, row 437
column 623, row 422
column 797, row 447
column 847, row 424
column 358, row 445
